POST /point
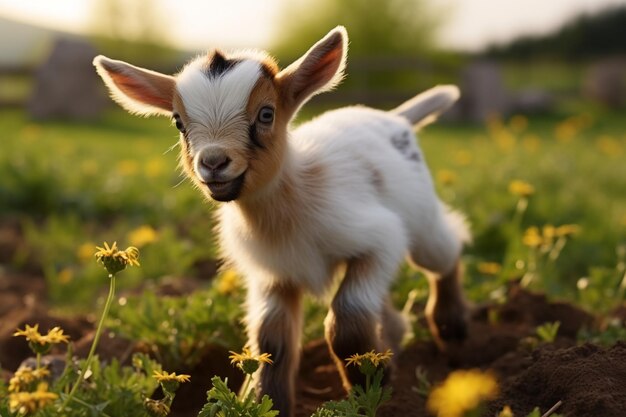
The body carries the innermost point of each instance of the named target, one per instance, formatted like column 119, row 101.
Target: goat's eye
column 266, row 115
column 179, row 123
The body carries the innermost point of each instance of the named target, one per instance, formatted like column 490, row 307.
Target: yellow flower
column 521, row 188
column 228, row 282
column 446, row 177
column 489, row 268
column 567, row 230
column 373, row 357
column 518, row 123
column 248, row 362
column 30, row 402
column 55, row 336
column 85, row 251
column 115, row 260
column 127, row 167
column 142, row 235
column 23, row 377
column 549, row 231
column 461, row 392
column 532, row 237
column 30, row 333
column 163, row 376
column 463, row 157
column 65, row 275
column 506, row 412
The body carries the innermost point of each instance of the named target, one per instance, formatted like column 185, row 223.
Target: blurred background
column 543, row 98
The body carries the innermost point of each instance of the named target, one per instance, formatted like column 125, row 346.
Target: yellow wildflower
column 85, row 251
column 446, row 177
column 163, row 376
column 30, row 333
column 127, row 167
column 228, row 282
column 30, row 402
column 506, row 412
column 532, row 237
column 521, row 188
column 115, row 260
column 463, row 157
column 23, row 377
column 142, row 235
column 549, row 231
column 373, row 357
column 54, row 336
column 65, row 275
column 518, row 123
column 248, row 362
column 461, row 392
column 567, row 230
column 489, row 268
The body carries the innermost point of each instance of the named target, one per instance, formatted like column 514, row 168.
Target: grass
column 73, row 184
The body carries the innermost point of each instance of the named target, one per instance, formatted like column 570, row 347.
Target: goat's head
column 232, row 110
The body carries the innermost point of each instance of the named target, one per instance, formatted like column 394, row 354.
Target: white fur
column 216, row 101
column 350, row 217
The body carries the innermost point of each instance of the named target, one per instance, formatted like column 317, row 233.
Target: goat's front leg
column 354, row 320
column 274, row 320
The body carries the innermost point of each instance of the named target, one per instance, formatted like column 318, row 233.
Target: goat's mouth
column 226, row 190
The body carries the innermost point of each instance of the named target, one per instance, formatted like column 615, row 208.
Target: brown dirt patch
column 591, row 381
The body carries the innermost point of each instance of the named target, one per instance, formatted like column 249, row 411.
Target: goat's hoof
column 448, row 327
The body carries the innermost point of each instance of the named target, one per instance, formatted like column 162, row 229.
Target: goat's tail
column 424, row 108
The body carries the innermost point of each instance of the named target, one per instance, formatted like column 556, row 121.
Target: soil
column 589, row 380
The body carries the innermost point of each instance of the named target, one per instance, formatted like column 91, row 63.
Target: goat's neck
column 273, row 211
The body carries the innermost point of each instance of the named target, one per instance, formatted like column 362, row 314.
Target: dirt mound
column 589, row 380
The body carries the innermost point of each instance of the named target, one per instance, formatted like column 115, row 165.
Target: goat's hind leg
column 358, row 310
column 438, row 252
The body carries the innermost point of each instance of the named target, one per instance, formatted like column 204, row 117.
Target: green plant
column 222, row 402
column 178, row 329
column 361, row 401
column 547, row 331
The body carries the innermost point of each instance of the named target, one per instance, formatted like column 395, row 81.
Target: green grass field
column 74, row 185
column 546, row 198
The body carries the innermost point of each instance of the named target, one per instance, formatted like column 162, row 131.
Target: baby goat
column 349, row 191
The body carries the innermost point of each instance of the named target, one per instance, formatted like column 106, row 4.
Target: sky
column 200, row 24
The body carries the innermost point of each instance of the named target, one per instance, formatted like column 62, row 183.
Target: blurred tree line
column 585, row 37
column 392, row 51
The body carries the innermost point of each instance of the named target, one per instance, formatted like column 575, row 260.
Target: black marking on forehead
column 219, row 64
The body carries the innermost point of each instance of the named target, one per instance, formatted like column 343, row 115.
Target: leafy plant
column 547, row 332
column 361, row 401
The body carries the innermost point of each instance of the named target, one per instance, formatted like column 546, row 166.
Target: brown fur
column 278, row 334
column 351, row 329
column 446, row 309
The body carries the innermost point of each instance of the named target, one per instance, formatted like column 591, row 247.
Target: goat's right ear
column 138, row 90
column 319, row 70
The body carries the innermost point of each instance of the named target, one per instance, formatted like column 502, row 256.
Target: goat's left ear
column 319, row 70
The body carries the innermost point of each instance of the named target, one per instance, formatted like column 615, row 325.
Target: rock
column 483, row 92
column 66, row 84
column 605, row 82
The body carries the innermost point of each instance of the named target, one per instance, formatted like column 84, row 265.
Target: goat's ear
column 138, row 90
column 319, row 70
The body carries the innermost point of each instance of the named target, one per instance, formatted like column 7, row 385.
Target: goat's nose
column 215, row 162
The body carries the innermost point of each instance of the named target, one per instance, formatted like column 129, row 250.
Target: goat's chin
column 225, row 191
